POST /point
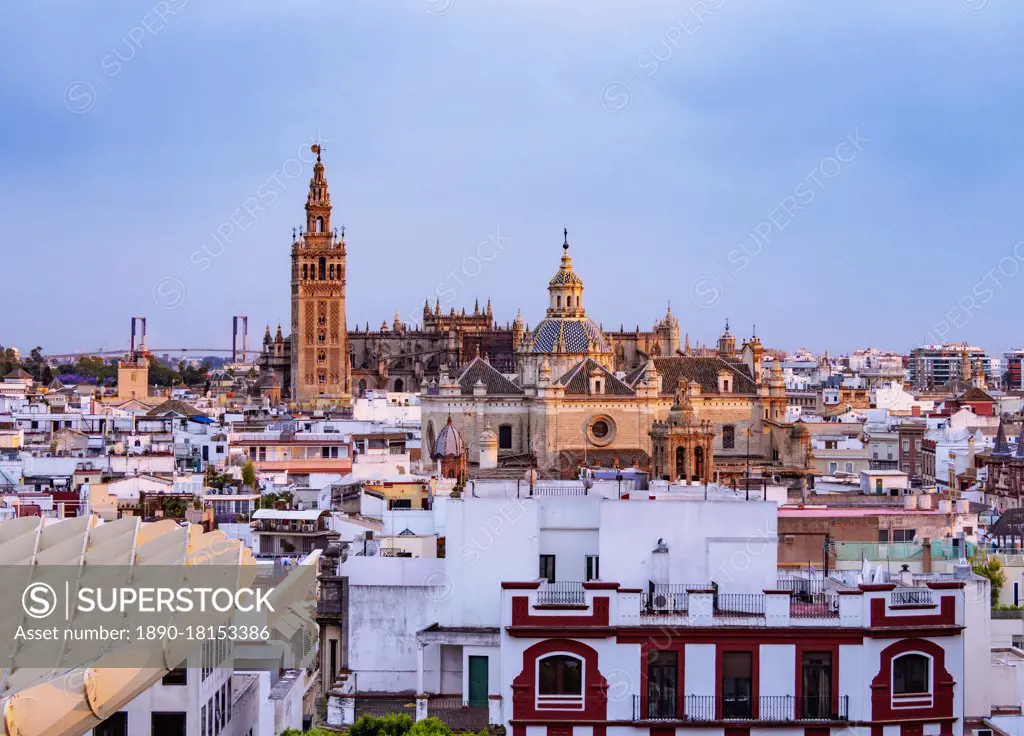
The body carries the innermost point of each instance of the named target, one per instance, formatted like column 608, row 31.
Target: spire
column 476, row 306
column 266, row 335
column 280, row 336
column 686, row 345
column 1002, row 447
column 437, row 307
column 565, row 240
column 489, row 307
column 318, row 201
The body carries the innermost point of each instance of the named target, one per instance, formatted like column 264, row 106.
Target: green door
column 478, row 681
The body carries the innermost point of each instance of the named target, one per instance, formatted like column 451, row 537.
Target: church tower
column 319, row 339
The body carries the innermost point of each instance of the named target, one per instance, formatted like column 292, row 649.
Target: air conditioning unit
column 668, row 602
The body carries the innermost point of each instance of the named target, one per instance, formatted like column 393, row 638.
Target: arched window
column 505, row 437
column 320, row 224
column 558, row 302
column 305, row 271
column 568, row 301
column 331, row 273
column 323, row 269
column 911, row 674
column 728, row 437
column 399, row 385
column 559, row 682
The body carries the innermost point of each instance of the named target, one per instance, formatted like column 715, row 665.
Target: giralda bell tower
column 319, row 341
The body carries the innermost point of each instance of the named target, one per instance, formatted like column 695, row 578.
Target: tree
column 393, row 724
column 248, row 475
column 991, row 568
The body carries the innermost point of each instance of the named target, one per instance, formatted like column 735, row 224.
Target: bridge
column 70, row 356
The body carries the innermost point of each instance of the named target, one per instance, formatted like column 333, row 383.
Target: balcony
column 763, row 709
column 265, row 526
column 561, row 594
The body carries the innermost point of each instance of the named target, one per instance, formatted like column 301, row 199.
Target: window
column 177, row 676
column 560, row 682
column 600, row 429
column 728, row 437
column 903, row 535
column 662, row 676
column 547, row 568
column 593, row 568
column 831, row 445
column 917, row 445
column 906, row 445
column 1018, row 639
column 737, row 685
column 116, row 725
column 911, row 674
column 849, row 467
column 833, row 467
column 505, row 437
column 167, row 724
column 817, row 685
column 883, row 536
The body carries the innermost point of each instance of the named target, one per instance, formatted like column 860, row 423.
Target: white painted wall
column 730, row 542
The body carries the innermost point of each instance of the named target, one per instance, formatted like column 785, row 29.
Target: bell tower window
column 305, row 271
column 322, row 276
column 320, row 224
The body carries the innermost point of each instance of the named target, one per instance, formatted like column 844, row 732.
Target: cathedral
column 307, row 368
column 560, row 395
column 570, row 402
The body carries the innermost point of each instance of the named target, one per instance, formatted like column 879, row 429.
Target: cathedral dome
column 568, row 335
column 449, row 442
column 566, row 328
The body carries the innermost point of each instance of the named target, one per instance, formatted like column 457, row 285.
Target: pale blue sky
column 666, row 136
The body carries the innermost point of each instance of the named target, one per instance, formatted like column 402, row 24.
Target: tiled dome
column 449, row 442
column 576, row 335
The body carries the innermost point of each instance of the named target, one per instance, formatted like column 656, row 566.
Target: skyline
column 682, row 136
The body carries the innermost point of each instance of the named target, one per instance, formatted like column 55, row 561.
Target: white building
column 575, row 611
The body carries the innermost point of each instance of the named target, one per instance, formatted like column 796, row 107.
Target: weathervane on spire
column 316, row 148
column 565, row 242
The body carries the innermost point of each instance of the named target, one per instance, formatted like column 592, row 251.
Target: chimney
column 906, row 577
column 915, row 410
column 659, row 564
